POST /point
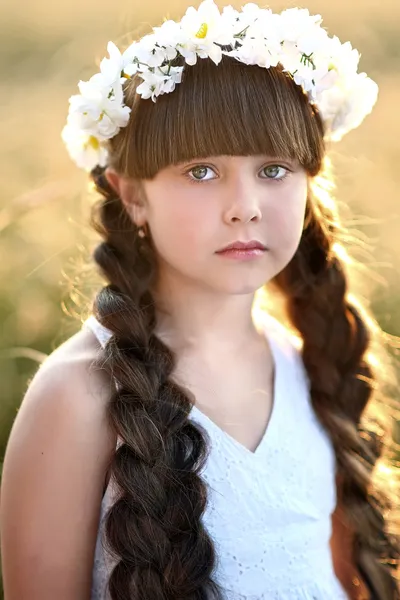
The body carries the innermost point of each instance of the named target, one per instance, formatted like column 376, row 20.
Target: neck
column 202, row 321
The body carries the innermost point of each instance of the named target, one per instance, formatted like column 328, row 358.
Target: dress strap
column 102, row 333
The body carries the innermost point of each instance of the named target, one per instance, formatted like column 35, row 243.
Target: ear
column 131, row 194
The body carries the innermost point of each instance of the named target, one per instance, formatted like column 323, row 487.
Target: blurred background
column 46, row 280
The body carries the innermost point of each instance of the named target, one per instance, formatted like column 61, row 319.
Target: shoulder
column 64, row 410
column 68, row 385
column 76, row 357
column 55, row 467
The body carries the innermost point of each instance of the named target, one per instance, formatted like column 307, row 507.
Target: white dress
column 269, row 511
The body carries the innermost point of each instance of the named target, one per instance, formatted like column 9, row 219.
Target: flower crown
column 325, row 68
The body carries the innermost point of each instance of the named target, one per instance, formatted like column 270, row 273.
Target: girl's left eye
column 273, row 170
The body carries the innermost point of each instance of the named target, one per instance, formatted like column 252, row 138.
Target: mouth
column 243, row 246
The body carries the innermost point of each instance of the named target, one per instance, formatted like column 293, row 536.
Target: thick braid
column 335, row 340
column 154, row 528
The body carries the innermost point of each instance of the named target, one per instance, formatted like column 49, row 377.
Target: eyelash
column 280, row 180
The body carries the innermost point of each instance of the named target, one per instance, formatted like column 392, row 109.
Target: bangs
column 227, row 109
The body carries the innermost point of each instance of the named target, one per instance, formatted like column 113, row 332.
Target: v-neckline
column 276, row 406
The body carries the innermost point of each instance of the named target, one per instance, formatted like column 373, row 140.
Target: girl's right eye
column 198, row 173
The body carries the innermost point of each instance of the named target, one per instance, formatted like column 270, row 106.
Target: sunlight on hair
column 323, row 185
column 341, row 252
column 371, row 322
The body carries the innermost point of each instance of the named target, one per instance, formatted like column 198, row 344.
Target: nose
column 243, row 206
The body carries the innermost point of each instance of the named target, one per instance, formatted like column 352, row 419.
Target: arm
column 53, row 476
column 342, row 554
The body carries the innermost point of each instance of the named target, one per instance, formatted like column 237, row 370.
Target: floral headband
column 325, row 68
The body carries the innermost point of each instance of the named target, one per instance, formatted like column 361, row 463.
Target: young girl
column 186, row 443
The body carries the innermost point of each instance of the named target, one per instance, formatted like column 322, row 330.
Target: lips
column 252, row 245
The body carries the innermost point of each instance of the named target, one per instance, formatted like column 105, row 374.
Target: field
column 46, row 48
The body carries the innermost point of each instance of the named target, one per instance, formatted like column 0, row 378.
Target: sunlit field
column 46, row 48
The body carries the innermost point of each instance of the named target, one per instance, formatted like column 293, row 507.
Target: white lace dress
column 269, row 511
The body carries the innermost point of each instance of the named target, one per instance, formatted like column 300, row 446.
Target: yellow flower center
column 202, row 32
column 93, row 142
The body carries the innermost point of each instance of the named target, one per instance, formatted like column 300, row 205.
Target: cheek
column 181, row 224
column 288, row 220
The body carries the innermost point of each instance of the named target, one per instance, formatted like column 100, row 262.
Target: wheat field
column 46, row 48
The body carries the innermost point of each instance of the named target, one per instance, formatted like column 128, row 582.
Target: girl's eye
column 272, row 172
column 198, row 173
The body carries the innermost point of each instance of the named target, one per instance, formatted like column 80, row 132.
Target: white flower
column 204, row 29
column 304, row 77
column 315, row 41
column 255, row 52
column 170, row 35
column 290, row 56
column 98, row 111
column 326, row 81
column 249, row 15
column 175, row 76
column 170, row 81
column 152, row 85
column 251, row 10
column 296, row 23
column 149, row 52
column 130, row 58
column 85, row 150
column 130, row 70
column 346, row 105
column 344, row 58
column 230, row 17
column 263, row 24
column 112, row 67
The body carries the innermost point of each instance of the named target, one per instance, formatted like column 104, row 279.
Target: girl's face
column 196, row 208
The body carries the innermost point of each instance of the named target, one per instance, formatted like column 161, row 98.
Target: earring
column 141, row 232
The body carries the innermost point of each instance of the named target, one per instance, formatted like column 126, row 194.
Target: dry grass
column 47, row 48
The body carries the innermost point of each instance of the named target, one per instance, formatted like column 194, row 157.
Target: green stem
column 241, row 32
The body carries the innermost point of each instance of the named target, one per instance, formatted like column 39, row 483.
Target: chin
column 242, row 285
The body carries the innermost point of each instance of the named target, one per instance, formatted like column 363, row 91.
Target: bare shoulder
column 71, row 366
column 68, row 386
column 55, row 466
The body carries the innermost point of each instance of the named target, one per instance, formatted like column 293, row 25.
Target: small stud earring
column 141, row 232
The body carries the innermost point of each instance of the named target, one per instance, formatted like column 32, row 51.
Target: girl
column 186, row 443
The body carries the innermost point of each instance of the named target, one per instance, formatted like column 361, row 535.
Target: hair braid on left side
column 154, row 528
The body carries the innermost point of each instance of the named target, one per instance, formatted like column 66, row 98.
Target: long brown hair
column 155, row 526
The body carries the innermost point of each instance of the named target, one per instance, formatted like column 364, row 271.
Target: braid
column 335, row 340
column 154, row 528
